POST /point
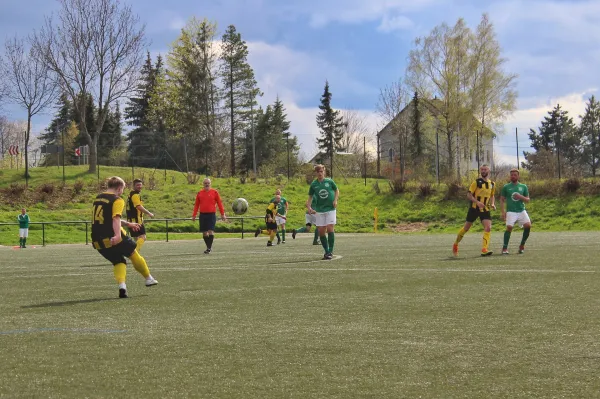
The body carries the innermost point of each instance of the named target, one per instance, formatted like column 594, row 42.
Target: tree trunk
column 27, row 133
column 231, row 115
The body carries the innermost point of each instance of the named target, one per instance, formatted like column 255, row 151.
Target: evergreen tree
column 330, row 124
column 557, row 135
column 58, row 125
column 590, row 135
column 239, row 87
column 111, row 137
column 142, row 139
column 415, row 121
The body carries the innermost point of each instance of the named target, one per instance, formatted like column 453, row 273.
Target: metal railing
column 148, row 221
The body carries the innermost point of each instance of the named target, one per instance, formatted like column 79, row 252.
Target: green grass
column 174, row 198
column 393, row 316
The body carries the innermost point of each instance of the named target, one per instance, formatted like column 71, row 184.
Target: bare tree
column 95, row 47
column 29, row 83
column 392, row 100
column 355, row 128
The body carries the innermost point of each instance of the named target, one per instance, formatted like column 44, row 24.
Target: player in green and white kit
column 23, row 219
column 515, row 194
column 322, row 201
column 281, row 217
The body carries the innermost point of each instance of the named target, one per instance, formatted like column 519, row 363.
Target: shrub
column 376, row 188
column 192, row 178
column 398, row 186
column 571, row 186
column 47, row 188
column 243, row 179
column 425, row 189
column 454, row 190
column 15, row 189
column 78, row 186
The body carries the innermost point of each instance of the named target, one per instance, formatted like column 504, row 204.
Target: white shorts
column 23, row 233
column 517, row 217
column 310, row 218
column 279, row 220
column 325, row 218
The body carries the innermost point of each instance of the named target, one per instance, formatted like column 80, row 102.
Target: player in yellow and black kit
column 270, row 219
column 135, row 213
column 481, row 194
column 110, row 239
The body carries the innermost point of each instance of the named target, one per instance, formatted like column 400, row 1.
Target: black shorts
column 140, row 232
column 119, row 252
column 475, row 213
column 271, row 226
column 208, row 221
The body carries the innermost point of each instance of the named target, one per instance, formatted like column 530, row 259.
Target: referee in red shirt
column 206, row 201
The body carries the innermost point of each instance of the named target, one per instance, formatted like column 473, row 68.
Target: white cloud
column 354, row 11
column 575, row 21
column 399, row 22
column 530, row 118
column 300, row 76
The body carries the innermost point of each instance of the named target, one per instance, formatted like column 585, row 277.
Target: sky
column 361, row 46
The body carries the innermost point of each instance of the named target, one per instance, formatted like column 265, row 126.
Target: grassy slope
column 174, row 198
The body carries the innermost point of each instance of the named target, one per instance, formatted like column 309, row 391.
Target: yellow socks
column 486, row 239
column 461, row 234
column 139, row 263
column 271, row 236
column 120, row 271
column 140, row 241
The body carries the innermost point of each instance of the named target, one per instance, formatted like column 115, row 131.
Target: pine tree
column 590, row 135
column 239, row 87
column 111, row 137
column 142, row 139
column 330, row 124
column 58, row 126
column 558, row 136
column 415, row 121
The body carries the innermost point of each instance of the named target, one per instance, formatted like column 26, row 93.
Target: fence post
column 86, row 233
column 167, row 224
column 242, row 227
column 43, row 234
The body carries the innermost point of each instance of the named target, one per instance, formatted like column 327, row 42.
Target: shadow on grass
column 67, row 303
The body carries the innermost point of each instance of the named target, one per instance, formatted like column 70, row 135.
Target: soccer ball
column 514, row 196
column 239, row 206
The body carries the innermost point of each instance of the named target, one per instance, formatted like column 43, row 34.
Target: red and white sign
column 77, row 152
column 13, row 150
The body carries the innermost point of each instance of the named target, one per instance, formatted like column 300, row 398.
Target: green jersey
column 323, row 194
column 281, row 207
column 23, row 221
column 508, row 191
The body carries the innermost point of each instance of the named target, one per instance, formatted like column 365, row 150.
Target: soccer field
column 390, row 316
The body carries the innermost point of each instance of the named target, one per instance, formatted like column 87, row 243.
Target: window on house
column 391, row 155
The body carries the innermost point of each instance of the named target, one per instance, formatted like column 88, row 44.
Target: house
column 322, row 158
column 439, row 156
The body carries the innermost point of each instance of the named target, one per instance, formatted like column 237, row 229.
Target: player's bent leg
column 139, row 264
column 140, row 242
column 487, row 232
column 120, row 272
column 459, row 237
column 507, row 233
column 526, row 231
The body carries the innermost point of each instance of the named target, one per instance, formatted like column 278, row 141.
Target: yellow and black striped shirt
column 483, row 191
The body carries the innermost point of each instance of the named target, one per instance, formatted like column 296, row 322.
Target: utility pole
column 365, row 157
column 517, row 141
column 287, row 144
column 254, row 140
